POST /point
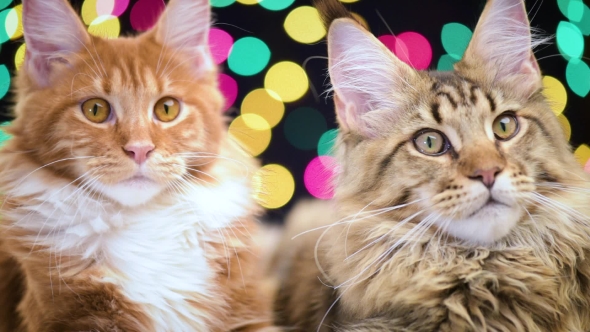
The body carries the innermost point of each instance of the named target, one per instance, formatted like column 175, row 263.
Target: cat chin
column 131, row 192
column 486, row 226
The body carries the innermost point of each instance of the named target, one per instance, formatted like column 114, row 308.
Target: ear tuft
column 502, row 45
column 184, row 26
column 52, row 32
column 369, row 82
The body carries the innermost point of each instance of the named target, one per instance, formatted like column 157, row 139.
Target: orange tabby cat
column 125, row 205
column 459, row 206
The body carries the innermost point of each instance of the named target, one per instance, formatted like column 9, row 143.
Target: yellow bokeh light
column 105, row 27
column 288, row 80
column 582, row 154
column 265, row 103
column 361, row 20
column 273, row 186
column 251, row 132
column 89, row 12
column 304, row 25
column 14, row 22
column 565, row 125
column 19, row 57
column 348, row 1
column 248, row 2
column 555, row 93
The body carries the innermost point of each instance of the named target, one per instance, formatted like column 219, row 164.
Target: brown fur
column 366, row 270
column 42, row 289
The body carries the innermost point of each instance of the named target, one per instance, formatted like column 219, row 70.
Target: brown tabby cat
column 459, row 206
column 125, row 205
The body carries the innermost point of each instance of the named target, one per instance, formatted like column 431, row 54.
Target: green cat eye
column 505, row 126
column 431, row 142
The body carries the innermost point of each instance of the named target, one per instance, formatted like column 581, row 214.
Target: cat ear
column 184, row 25
column 502, row 45
column 367, row 78
column 52, row 33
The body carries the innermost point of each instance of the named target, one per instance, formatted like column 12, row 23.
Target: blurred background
column 272, row 56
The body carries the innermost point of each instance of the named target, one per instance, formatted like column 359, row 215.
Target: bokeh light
column 288, row 80
column 348, row 1
column 570, row 40
column 221, row 3
column 105, row 26
column 248, row 2
column 388, row 41
column 220, row 44
column 577, row 74
column 5, row 3
column 319, row 175
column 582, row 154
column 19, row 57
column 14, row 22
column 446, row 63
column 572, row 9
column 455, row 38
column 276, row 4
column 327, row 142
column 584, row 23
column 303, row 24
column 413, row 49
column 91, row 9
column 304, row 126
column 565, row 125
column 273, row 186
column 265, row 103
column 145, row 14
column 4, row 37
column 4, row 81
column 3, row 135
column 249, row 56
column 587, row 167
column 229, row 89
column 555, row 93
column 251, row 132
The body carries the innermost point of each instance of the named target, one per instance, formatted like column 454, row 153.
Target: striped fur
column 411, row 242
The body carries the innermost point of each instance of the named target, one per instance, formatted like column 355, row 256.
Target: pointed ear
column 52, row 32
column 502, row 46
column 184, row 26
column 368, row 80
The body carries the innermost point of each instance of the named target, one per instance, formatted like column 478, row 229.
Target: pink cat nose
column 139, row 153
column 487, row 176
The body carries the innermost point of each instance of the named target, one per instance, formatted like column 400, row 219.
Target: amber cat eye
column 167, row 109
column 431, row 142
column 96, row 110
column 505, row 126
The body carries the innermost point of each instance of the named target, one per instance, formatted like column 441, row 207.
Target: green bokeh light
column 326, row 143
column 304, row 126
column 4, row 3
column 455, row 38
column 4, row 37
column 570, row 40
column 4, row 81
column 276, row 4
column 571, row 9
column 249, row 56
column 221, row 3
column 446, row 62
column 3, row 135
column 577, row 75
column 584, row 23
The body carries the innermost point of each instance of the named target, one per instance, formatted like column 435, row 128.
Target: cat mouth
column 490, row 203
column 137, row 179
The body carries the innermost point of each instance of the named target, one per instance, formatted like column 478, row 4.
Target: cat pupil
column 429, row 142
column 166, row 108
column 95, row 109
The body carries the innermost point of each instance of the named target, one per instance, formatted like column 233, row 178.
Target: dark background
column 424, row 16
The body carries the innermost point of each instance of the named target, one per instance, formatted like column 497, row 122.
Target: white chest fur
column 153, row 253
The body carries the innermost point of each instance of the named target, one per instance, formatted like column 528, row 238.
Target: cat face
column 127, row 117
column 464, row 151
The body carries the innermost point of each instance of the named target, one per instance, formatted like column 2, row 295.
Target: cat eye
column 431, row 142
column 505, row 126
column 167, row 109
column 96, row 110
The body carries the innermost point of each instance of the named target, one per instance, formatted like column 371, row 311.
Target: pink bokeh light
column 388, row 41
column 220, row 44
column 111, row 7
column 229, row 89
column 413, row 49
column 319, row 175
column 587, row 167
column 145, row 14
